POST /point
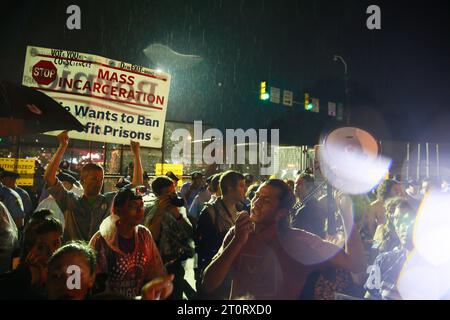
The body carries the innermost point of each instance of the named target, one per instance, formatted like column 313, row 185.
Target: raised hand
column 244, row 226
column 135, row 146
column 138, row 180
column 36, row 262
column 63, row 138
column 53, row 166
column 158, row 289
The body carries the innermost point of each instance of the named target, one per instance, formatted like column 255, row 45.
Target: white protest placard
column 116, row 101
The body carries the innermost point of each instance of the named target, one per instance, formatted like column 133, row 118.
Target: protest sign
column 116, row 101
column 24, row 167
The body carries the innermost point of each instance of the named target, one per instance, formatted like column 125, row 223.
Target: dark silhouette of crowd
column 238, row 236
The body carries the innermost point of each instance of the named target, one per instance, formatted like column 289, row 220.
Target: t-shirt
column 176, row 236
column 126, row 245
column 214, row 222
column 26, row 200
column 12, row 201
column 183, row 191
column 82, row 219
column 128, row 272
column 198, row 203
column 278, row 269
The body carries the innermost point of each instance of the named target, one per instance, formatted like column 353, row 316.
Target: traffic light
column 308, row 104
column 263, row 94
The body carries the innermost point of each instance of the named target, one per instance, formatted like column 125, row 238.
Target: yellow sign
column 161, row 168
column 24, row 167
column 177, row 169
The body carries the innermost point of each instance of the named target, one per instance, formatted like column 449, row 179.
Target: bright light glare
column 350, row 170
column 306, row 251
column 309, row 251
column 420, row 280
column 265, row 96
column 432, row 228
column 95, row 156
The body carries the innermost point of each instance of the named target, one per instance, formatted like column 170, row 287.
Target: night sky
column 399, row 75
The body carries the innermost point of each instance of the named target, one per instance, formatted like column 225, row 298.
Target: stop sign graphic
column 44, row 72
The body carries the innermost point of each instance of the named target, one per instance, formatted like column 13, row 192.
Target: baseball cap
column 6, row 173
column 172, row 176
column 66, row 177
column 196, row 174
column 127, row 193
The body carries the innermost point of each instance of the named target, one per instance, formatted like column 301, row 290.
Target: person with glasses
column 83, row 215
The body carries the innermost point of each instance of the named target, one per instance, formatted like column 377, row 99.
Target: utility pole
column 347, row 100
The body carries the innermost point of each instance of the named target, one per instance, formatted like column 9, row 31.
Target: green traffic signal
column 308, row 105
column 263, row 94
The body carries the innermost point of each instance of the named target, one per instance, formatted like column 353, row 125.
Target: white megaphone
column 350, row 160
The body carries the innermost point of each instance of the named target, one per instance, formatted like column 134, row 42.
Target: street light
column 347, row 101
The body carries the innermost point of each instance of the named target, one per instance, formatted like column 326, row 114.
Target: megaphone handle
column 331, row 209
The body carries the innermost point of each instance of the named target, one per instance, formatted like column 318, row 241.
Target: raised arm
column 138, row 179
column 353, row 258
column 50, row 172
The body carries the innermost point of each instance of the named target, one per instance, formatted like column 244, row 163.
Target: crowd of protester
column 269, row 239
